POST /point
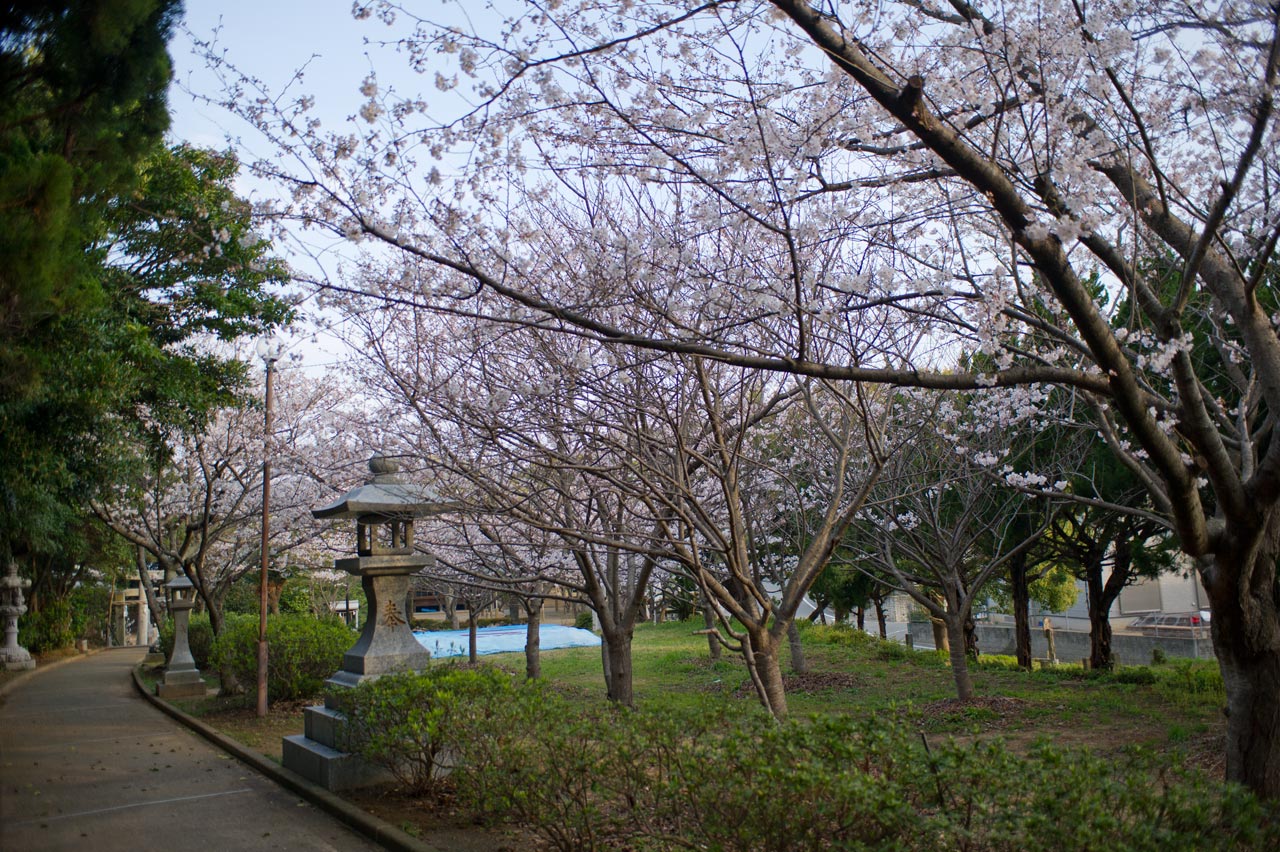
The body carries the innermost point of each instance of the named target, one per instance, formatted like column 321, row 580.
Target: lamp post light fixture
column 269, row 350
column 181, row 677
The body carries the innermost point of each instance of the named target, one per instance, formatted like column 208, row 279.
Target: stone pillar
column 13, row 656
column 144, row 621
column 181, row 677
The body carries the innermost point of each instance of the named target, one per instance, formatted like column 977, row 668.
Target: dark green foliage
column 583, row 621
column 602, row 777
column 301, row 652
column 413, row 723
column 53, row 627
column 82, row 99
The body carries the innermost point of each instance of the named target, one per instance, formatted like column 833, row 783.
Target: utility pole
column 269, row 351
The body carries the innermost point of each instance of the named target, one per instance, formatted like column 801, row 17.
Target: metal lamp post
column 269, row 351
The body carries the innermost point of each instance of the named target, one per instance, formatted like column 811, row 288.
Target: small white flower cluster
column 1025, row 480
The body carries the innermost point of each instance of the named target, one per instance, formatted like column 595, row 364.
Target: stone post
column 181, row 677
column 13, row 656
column 144, row 621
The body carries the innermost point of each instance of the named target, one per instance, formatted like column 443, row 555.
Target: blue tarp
column 501, row 640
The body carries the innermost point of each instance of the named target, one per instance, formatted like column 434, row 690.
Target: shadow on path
column 87, row 764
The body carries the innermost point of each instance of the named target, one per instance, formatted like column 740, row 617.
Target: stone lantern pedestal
column 13, row 656
column 384, row 510
column 181, row 677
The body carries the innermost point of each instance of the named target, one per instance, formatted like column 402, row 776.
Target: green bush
column 52, row 627
column 583, row 621
column 301, row 652
column 1139, row 675
column 605, row 778
column 413, row 724
column 1194, row 679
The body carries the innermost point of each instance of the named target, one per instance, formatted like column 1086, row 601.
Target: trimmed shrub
column 608, row 778
column 414, row 723
column 583, row 620
column 301, row 652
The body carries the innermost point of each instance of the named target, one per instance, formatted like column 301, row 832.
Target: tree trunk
column 959, row 658
column 713, row 644
column 1021, row 593
column 533, row 640
column 762, row 660
column 861, row 614
column 882, row 620
column 941, row 640
column 799, row 664
column 970, row 637
column 471, row 634
column 153, row 602
column 1102, row 596
column 617, row 658
column 1100, row 655
column 228, row 683
column 1246, row 638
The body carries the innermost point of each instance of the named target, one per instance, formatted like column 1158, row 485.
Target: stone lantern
column 384, row 510
column 13, row 656
column 181, row 677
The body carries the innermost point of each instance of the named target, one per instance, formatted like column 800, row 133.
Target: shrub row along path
column 87, row 763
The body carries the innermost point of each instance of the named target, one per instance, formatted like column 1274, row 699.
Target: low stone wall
column 1072, row 646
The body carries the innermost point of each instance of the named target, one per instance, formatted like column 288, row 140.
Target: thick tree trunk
column 533, row 640
column 941, row 640
column 959, row 659
column 617, row 660
column 861, row 614
column 882, row 620
column 1102, row 596
column 713, row 644
column 1020, row 591
column 799, row 664
column 970, row 637
column 1246, row 637
column 1100, row 655
column 767, row 674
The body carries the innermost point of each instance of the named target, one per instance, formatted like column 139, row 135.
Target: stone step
column 332, row 769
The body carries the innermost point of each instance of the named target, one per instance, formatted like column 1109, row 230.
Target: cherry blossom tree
column 941, row 528
column 981, row 168
column 197, row 511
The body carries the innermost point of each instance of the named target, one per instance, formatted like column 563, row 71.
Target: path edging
column 377, row 830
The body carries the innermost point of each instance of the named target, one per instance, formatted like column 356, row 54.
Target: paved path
column 86, row 764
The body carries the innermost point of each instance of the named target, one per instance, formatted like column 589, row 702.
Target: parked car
column 1174, row 624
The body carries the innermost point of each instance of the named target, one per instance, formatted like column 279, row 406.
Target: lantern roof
column 384, row 495
column 179, row 583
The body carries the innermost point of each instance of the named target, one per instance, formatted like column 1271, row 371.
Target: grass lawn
column 1181, row 712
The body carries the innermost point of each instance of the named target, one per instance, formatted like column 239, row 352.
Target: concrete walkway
column 87, row 764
